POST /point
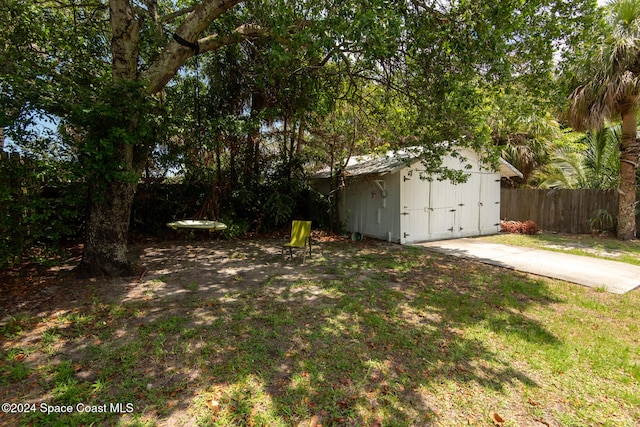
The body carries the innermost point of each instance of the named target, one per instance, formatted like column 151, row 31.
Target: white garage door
column 414, row 208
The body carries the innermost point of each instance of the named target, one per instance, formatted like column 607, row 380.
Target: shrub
column 527, row 227
column 41, row 207
column 235, row 227
column 602, row 221
column 530, row 227
column 510, row 226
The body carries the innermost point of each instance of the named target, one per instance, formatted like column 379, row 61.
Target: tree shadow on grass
column 228, row 334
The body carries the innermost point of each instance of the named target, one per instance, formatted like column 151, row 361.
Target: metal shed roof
column 392, row 162
column 367, row 165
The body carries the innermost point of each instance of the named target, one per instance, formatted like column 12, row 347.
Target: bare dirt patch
column 165, row 269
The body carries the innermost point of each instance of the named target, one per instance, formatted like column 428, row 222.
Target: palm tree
column 593, row 162
column 522, row 130
column 612, row 91
column 601, row 158
column 525, row 144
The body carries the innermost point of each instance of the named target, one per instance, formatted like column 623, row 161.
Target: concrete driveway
column 616, row 277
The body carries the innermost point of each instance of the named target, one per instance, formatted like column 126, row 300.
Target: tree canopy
column 114, row 74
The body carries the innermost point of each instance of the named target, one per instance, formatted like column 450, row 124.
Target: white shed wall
column 435, row 210
column 367, row 209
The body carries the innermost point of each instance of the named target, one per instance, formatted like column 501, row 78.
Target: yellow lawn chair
column 300, row 238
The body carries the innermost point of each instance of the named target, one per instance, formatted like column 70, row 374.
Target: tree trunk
column 629, row 152
column 300, row 136
column 111, row 199
column 105, row 250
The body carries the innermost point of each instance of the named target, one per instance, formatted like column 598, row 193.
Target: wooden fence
column 562, row 211
column 5, row 157
column 9, row 177
column 14, row 160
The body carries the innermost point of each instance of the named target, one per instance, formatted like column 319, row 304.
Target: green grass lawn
column 367, row 334
column 605, row 247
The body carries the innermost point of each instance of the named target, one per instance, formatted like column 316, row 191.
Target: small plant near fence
column 526, row 227
column 602, row 222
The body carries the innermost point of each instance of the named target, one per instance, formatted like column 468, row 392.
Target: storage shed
column 388, row 197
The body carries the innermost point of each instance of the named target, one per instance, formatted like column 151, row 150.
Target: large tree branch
column 243, row 32
column 159, row 75
column 175, row 54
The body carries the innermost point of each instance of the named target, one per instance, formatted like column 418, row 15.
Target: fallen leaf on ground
column 497, row 419
column 542, row 422
column 533, row 402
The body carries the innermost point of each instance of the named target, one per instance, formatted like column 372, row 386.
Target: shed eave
column 507, row 170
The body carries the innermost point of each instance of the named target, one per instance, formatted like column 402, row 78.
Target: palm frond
column 565, row 170
column 601, row 158
column 614, row 70
column 596, row 166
